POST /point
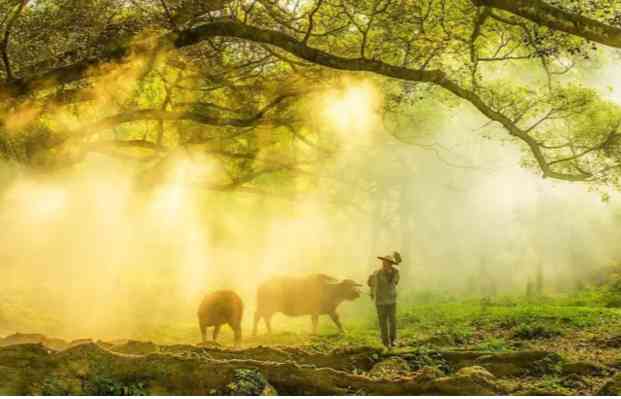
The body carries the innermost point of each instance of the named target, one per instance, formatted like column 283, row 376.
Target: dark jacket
column 383, row 284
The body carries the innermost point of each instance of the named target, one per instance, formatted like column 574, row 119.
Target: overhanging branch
column 299, row 49
column 558, row 19
column 233, row 29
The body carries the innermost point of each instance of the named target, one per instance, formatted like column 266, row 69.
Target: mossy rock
column 468, row 381
column 429, row 373
column 612, row 387
column 507, row 364
column 584, row 368
column 390, row 368
column 574, row 381
column 20, row 338
column 250, row 382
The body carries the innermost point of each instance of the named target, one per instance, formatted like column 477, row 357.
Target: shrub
column 535, row 331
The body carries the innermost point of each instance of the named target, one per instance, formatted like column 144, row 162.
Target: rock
column 19, row 338
column 250, row 382
column 475, row 371
column 574, row 381
column 521, row 363
column 610, row 342
column 584, row 368
column 390, row 368
column 615, row 364
column 612, row 387
column 429, row 373
column 468, row 381
column 506, row 364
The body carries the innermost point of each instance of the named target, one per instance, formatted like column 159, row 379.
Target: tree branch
column 558, row 19
column 163, row 115
column 295, row 47
column 609, row 139
column 5, row 40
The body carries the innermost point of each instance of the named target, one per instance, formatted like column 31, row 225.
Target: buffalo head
column 350, row 289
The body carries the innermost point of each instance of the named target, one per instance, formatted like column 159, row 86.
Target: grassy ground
column 567, row 323
column 577, row 327
column 559, row 324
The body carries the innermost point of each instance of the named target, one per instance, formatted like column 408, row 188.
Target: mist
column 88, row 252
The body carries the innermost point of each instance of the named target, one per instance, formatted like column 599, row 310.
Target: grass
column 458, row 323
column 486, row 325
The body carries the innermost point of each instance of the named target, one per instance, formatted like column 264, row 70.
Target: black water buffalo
column 221, row 307
column 313, row 295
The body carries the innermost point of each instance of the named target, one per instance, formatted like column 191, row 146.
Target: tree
column 264, row 48
column 567, row 16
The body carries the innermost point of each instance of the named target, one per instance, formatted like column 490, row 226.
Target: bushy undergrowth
column 536, row 331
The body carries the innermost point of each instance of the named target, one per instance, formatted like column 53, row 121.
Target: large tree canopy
column 231, row 78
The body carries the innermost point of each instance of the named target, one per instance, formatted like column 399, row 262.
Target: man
column 383, row 284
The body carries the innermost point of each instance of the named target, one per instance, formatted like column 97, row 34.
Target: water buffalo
column 221, row 307
column 313, row 295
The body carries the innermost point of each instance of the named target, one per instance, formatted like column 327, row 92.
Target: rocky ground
column 508, row 347
column 36, row 364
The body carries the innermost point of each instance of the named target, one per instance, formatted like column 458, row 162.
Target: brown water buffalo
column 313, row 295
column 221, row 307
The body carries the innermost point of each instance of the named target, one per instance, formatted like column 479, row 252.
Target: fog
column 87, row 251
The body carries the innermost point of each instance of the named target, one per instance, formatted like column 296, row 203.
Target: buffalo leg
column 238, row 334
column 203, row 332
column 314, row 320
column 335, row 318
column 216, row 331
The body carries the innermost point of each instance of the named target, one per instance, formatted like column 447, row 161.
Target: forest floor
column 503, row 346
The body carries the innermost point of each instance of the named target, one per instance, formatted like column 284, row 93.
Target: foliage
column 247, row 382
column 101, row 385
column 493, row 345
column 221, row 94
column 535, row 331
column 423, row 357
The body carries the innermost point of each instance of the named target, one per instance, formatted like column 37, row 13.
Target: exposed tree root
column 351, row 359
column 346, row 359
column 90, row 369
column 504, row 364
column 361, row 359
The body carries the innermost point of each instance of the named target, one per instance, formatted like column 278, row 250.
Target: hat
column 388, row 258
column 395, row 260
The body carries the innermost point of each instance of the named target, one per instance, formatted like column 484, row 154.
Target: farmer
column 383, row 284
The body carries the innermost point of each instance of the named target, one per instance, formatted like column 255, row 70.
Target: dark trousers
column 386, row 315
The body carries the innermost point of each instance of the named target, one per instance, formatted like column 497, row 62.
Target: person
column 383, row 285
